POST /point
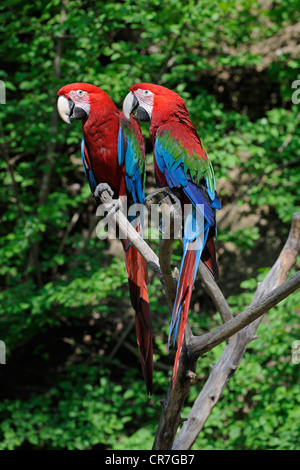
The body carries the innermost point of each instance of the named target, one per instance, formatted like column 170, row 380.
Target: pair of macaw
column 113, row 153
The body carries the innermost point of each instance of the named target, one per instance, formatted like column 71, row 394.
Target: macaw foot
column 169, row 191
column 101, row 188
column 111, row 205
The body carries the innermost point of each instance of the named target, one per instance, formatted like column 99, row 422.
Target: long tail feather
column 195, row 239
column 209, row 256
column 188, row 270
column 137, row 275
column 186, row 281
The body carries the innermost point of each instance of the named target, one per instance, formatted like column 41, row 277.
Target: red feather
column 183, row 299
column 137, row 274
column 100, row 132
column 169, row 114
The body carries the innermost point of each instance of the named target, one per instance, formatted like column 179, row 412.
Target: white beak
column 63, row 109
column 128, row 105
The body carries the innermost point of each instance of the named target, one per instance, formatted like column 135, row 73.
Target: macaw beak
column 64, row 108
column 130, row 104
column 68, row 110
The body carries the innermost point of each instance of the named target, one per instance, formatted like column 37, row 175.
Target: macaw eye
column 146, row 92
column 80, row 93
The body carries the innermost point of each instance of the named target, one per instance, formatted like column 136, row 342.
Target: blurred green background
column 64, row 300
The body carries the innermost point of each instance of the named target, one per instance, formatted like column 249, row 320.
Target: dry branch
column 215, row 293
column 233, row 351
column 165, row 254
column 131, row 234
column 238, row 331
column 202, row 344
column 237, row 344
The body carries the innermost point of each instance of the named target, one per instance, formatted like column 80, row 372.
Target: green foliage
column 58, row 277
column 83, row 410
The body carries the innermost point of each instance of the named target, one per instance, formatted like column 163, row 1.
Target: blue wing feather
column 196, row 179
column 176, row 175
column 130, row 154
column 121, row 147
column 88, row 171
column 196, row 227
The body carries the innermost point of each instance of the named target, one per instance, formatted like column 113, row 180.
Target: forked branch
column 237, row 344
column 238, row 331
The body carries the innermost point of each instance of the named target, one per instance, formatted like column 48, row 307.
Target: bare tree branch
column 238, row 331
column 215, row 293
column 237, row 344
column 166, row 250
column 131, row 234
column 170, row 418
column 228, row 363
column 202, row 344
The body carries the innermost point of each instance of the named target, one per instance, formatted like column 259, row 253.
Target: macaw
column 113, row 153
column 181, row 163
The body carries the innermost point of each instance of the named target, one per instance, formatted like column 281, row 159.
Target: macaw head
column 75, row 101
column 152, row 101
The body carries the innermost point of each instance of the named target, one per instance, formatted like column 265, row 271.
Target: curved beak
column 130, row 104
column 65, row 107
column 68, row 110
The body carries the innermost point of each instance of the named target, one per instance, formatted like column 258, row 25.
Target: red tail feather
column 137, row 274
column 183, row 298
column 209, row 256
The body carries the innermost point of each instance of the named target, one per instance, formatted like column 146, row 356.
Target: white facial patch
column 146, row 99
column 81, row 99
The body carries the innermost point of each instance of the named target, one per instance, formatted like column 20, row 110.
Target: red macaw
column 113, row 153
column 180, row 162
